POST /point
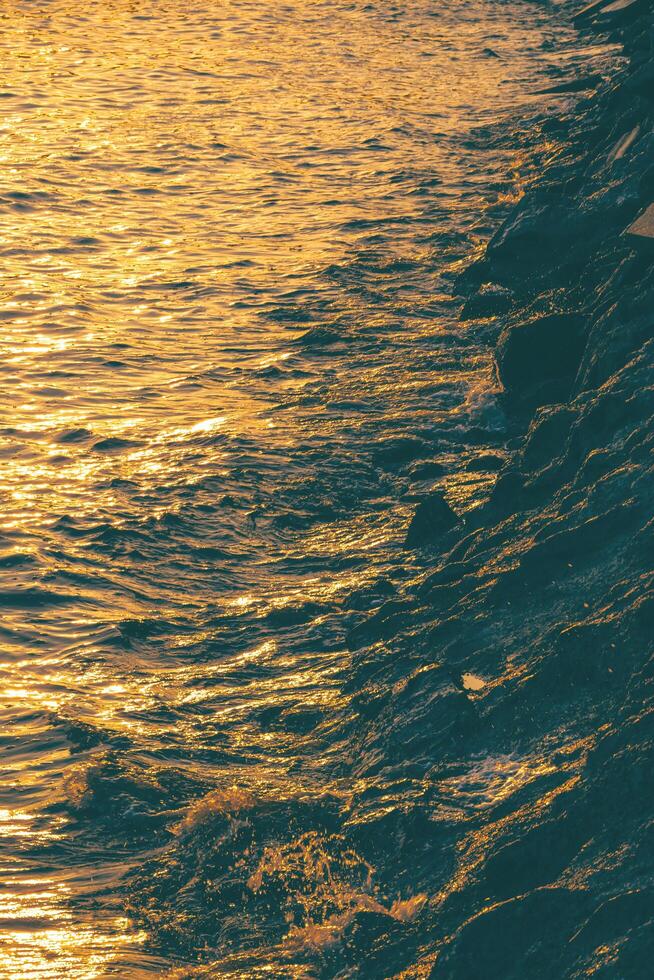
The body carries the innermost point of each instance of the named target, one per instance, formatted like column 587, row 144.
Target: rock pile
column 548, row 591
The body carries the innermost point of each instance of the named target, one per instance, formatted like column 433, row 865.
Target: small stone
column 472, row 683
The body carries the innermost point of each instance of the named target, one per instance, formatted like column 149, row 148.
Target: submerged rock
column 575, row 85
column 485, row 463
column 547, row 435
column 398, row 450
column 428, row 469
column 321, row 336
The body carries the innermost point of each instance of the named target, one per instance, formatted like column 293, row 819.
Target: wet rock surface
column 532, row 832
column 433, row 518
column 538, row 359
column 548, row 592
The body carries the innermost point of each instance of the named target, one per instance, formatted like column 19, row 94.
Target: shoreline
column 490, row 758
column 530, row 641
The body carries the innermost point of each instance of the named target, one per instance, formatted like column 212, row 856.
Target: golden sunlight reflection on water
column 229, row 234
column 40, row 936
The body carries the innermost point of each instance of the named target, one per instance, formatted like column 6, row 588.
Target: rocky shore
column 525, row 661
column 481, row 807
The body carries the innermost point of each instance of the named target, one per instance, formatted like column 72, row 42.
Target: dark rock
column 490, row 300
column 422, row 711
column 538, row 225
column 547, row 435
column 433, row 518
column 507, row 491
column 621, row 11
column 642, row 82
column 536, row 859
column 295, row 614
column 473, row 276
column 476, row 435
column 426, row 470
column 616, row 918
column 384, row 622
column 589, row 10
column 541, row 357
column 486, row 463
column 369, row 596
column 113, row 444
column 74, row 435
column 552, row 553
column 517, row 939
column 398, row 450
column 576, row 85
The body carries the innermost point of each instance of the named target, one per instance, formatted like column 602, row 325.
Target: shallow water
column 228, row 347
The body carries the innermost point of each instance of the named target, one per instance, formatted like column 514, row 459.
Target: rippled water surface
column 231, row 362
